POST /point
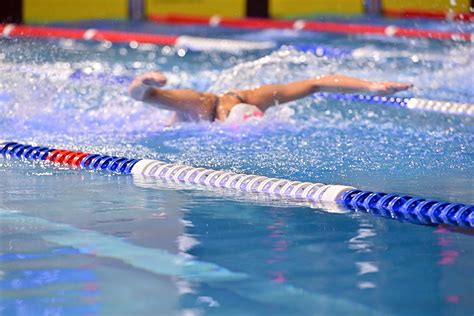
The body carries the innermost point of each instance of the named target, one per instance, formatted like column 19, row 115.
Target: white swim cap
column 244, row 113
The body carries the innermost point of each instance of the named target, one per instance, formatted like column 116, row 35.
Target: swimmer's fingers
column 143, row 84
column 389, row 87
column 397, row 86
column 154, row 79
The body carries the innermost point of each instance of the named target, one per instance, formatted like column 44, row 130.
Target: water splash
column 46, row 102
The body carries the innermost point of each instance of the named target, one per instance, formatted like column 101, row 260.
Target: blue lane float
column 454, row 108
column 395, row 206
column 324, row 51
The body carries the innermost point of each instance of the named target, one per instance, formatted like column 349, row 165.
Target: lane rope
column 181, row 41
column 454, row 108
column 330, row 27
column 396, row 206
column 199, row 44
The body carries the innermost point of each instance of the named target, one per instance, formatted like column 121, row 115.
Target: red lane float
column 114, row 36
column 331, row 27
column 466, row 17
column 28, row 31
column 68, row 157
column 11, row 30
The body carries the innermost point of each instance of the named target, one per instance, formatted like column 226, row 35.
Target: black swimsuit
column 235, row 95
column 232, row 94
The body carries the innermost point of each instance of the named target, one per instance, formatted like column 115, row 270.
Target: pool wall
column 45, row 11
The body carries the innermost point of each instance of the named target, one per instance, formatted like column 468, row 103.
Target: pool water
column 74, row 242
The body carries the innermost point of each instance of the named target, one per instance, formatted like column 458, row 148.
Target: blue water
column 86, row 243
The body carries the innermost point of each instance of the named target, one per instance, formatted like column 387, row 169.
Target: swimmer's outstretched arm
column 146, row 88
column 269, row 95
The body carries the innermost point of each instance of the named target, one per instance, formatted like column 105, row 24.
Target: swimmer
column 240, row 105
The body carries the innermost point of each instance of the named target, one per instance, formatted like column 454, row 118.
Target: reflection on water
column 263, row 255
column 453, row 257
column 361, row 243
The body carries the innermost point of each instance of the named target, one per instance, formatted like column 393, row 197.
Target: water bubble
column 181, row 52
column 166, row 50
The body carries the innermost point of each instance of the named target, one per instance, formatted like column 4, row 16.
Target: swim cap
column 244, row 113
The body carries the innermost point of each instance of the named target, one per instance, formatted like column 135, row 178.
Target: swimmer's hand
column 142, row 84
column 388, row 87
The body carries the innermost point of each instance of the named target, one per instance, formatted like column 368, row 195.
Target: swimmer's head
column 244, row 113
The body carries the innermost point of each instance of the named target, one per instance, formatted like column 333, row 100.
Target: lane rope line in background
column 194, row 43
column 397, row 206
column 181, row 41
column 330, row 27
column 372, row 53
column 454, row 108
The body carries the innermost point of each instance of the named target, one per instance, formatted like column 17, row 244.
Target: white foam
column 7, row 29
column 222, row 45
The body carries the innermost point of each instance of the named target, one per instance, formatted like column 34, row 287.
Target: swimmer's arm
column 146, row 88
column 183, row 101
column 269, row 95
column 346, row 84
column 141, row 88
